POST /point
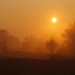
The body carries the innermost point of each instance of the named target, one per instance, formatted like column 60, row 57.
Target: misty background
column 28, row 17
column 26, row 27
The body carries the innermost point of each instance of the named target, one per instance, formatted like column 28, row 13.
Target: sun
column 54, row 20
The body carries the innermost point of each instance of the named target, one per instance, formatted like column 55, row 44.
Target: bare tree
column 51, row 45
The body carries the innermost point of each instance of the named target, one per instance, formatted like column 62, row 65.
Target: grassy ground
column 36, row 67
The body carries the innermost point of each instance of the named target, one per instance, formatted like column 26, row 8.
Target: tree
column 61, row 51
column 3, row 40
column 8, row 42
column 69, row 38
column 13, row 43
column 51, row 45
column 30, row 43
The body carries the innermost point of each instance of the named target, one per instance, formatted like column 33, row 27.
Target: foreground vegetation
column 21, row 66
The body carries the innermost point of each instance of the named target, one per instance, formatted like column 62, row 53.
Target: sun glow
column 54, row 20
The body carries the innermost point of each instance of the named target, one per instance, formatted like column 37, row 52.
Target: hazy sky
column 25, row 17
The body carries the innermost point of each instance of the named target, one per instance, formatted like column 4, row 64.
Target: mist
column 46, row 47
column 25, row 18
column 37, row 37
column 27, row 30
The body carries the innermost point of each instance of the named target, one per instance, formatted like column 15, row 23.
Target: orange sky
column 25, row 17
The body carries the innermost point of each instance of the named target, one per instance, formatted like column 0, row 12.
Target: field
column 19, row 66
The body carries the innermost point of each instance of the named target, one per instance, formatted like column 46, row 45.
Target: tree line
column 9, row 43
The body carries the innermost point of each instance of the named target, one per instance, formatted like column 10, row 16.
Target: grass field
column 19, row 66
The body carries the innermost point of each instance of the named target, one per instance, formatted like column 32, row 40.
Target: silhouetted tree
column 13, row 43
column 69, row 38
column 3, row 40
column 41, row 45
column 61, row 51
column 51, row 45
column 7, row 41
column 26, row 43
column 30, row 43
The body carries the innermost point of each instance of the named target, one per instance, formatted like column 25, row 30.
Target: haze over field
column 38, row 26
column 37, row 37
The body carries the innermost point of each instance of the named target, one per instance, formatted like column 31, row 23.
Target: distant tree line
column 9, row 43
